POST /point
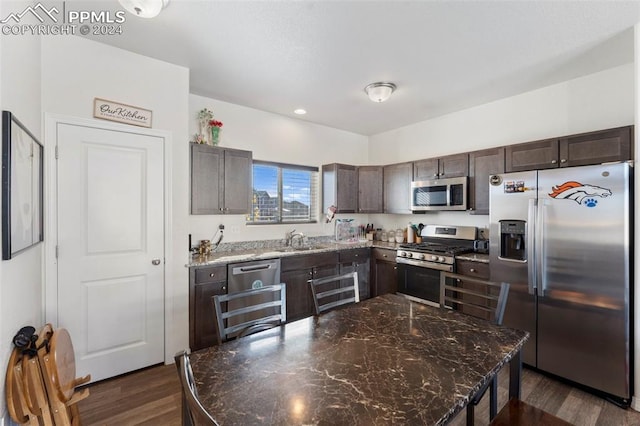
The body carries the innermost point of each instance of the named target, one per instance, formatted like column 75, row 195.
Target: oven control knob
column 421, row 256
column 434, row 257
column 402, row 254
column 409, row 254
column 441, row 259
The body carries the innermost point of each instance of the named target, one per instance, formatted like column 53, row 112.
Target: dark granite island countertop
column 384, row 361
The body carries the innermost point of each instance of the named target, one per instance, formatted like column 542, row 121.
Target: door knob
column 155, row 262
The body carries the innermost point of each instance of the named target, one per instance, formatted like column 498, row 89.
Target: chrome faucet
column 289, row 236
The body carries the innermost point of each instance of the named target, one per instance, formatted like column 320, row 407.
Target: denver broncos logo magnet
column 579, row 192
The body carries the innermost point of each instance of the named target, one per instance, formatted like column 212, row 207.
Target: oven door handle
column 422, row 264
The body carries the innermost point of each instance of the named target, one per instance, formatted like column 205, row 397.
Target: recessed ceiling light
column 300, row 111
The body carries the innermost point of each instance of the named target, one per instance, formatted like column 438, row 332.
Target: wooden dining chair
column 35, row 390
column 58, row 367
column 19, row 409
column 250, row 311
column 483, row 299
column 335, row 290
column 193, row 413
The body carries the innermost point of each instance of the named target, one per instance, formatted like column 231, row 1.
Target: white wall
column 272, row 137
column 597, row 101
column 21, row 283
column 74, row 71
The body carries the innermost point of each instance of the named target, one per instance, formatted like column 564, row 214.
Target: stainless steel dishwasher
column 247, row 275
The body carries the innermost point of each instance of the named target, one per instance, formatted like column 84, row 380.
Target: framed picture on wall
column 22, row 187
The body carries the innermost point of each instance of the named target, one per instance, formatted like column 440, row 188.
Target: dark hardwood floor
column 152, row 397
column 145, row 397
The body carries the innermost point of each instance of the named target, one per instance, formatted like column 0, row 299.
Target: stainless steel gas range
column 419, row 264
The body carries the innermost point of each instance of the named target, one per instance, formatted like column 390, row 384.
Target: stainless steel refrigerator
column 563, row 239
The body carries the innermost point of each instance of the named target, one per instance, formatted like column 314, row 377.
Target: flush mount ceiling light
column 300, row 111
column 380, row 92
column 144, row 8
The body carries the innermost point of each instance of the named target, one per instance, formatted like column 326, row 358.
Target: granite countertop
column 385, row 360
column 257, row 250
column 474, row 257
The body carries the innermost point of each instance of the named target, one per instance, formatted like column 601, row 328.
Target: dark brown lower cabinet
column 204, row 283
column 384, row 272
column 295, row 273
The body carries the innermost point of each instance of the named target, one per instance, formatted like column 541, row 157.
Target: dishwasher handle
column 253, row 268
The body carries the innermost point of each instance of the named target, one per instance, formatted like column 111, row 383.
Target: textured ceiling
column 319, row 55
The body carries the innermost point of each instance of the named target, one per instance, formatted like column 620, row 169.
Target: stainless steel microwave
column 439, row 194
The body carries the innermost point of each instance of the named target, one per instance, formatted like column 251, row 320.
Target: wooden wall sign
column 122, row 113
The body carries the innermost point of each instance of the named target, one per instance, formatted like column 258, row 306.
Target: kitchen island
column 386, row 360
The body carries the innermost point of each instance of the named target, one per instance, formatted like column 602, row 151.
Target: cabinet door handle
column 213, row 274
column 155, row 262
column 384, row 255
column 554, row 161
column 224, row 288
column 472, row 270
column 564, row 160
column 435, row 175
column 395, row 268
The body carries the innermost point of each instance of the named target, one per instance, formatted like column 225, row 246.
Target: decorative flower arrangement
column 209, row 128
column 215, row 126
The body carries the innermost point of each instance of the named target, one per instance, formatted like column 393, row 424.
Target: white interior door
column 110, row 248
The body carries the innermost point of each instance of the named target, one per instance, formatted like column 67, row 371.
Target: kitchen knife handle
column 531, row 247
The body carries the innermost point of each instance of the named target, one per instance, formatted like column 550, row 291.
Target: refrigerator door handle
column 531, row 255
column 540, row 260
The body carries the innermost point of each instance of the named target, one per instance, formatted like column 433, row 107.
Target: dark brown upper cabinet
column 596, row 147
column 456, row 165
column 220, row 180
column 397, row 188
column 483, row 164
column 340, row 187
column 576, row 150
column 370, row 184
